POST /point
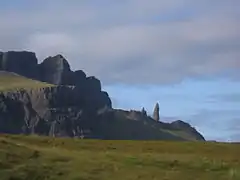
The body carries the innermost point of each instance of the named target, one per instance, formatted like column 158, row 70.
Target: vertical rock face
column 94, row 84
column 55, row 111
column 55, row 70
column 79, row 78
column 81, row 109
column 23, row 63
column 156, row 116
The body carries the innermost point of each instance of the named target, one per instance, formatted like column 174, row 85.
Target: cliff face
column 62, row 111
column 55, row 111
column 54, row 70
column 23, row 63
column 75, row 107
column 67, row 109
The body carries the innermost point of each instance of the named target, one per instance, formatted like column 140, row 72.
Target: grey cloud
column 232, row 98
column 119, row 42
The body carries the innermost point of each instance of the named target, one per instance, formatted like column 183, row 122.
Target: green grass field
column 11, row 81
column 41, row 158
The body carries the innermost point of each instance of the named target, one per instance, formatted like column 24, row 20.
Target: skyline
column 183, row 54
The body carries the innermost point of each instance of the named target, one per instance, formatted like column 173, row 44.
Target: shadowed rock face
column 1, row 56
column 23, row 63
column 55, row 70
column 61, row 111
column 75, row 107
column 79, row 78
column 56, row 111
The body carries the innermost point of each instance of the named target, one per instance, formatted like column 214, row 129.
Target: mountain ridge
column 72, row 104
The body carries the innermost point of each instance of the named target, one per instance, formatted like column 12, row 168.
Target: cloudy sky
column 184, row 54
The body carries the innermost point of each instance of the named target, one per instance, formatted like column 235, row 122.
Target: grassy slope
column 12, row 81
column 32, row 158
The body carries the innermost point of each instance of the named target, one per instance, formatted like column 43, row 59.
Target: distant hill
column 51, row 99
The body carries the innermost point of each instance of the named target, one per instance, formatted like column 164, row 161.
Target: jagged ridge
column 75, row 106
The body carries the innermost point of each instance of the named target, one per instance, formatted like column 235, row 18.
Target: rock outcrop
column 76, row 106
column 1, row 58
column 54, row 70
column 144, row 112
column 120, row 124
column 23, row 63
column 56, row 111
column 50, row 110
column 156, row 115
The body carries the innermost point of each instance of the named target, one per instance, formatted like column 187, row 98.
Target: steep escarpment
column 51, row 99
column 62, row 111
column 23, row 63
column 66, row 106
column 56, row 111
column 54, row 69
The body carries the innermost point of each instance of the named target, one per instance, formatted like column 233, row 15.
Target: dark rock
column 80, row 110
column 120, row 125
column 144, row 112
column 181, row 125
column 93, row 84
column 23, row 63
column 55, row 70
column 1, row 57
column 156, row 116
column 59, row 111
column 79, row 77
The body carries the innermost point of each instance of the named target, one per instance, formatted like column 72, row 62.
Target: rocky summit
column 59, row 102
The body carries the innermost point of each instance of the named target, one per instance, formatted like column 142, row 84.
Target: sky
column 184, row 54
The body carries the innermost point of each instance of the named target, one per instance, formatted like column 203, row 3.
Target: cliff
column 55, row 111
column 51, row 99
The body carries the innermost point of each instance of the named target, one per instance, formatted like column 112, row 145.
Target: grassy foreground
column 11, row 81
column 41, row 158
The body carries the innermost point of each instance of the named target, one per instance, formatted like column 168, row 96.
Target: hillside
column 11, row 81
column 35, row 158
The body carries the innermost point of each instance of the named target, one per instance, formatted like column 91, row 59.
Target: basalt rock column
column 156, row 116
